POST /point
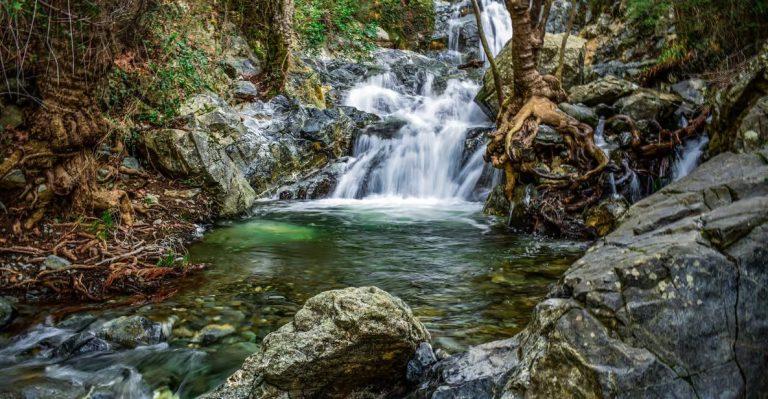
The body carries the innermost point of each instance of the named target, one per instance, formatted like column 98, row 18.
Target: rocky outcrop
column 7, row 313
column 602, row 91
column 674, row 303
column 548, row 63
column 247, row 151
column 341, row 341
column 741, row 120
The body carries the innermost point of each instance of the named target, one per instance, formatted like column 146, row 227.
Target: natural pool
column 469, row 280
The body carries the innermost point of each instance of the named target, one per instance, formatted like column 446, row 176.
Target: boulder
column 340, row 342
column 14, row 180
column 740, row 109
column 602, row 91
column 548, row 63
column 692, row 90
column 131, row 331
column 674, row 303
column 581, row 112
column 648, row 104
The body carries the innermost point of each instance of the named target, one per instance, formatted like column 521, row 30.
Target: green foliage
column 334, row 24
column 103, row 226
column 715, row 29
column 172, row 259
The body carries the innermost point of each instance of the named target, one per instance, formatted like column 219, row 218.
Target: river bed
column 468, row 279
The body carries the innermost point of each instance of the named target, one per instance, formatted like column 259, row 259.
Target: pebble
column 53, row 262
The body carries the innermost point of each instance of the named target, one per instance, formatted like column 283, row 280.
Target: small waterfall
column 688, row 159
column 600, row 136
column 635, row 192
column 612, row 183
column 497, row 25
column 424, row 158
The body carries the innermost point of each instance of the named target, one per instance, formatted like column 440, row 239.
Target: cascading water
column 425, row 158
column 689, row 157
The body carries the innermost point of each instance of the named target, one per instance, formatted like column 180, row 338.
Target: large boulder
column 602, row 91
column 573, row 66
column 674, row 303
column 648, row 104
column 741, row 110
column 340, row 342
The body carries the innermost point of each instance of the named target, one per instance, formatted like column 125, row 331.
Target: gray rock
column 212, row 333
column 648, row 104
column 692, row 90
column 131, row 331
column 674, row 303
column 131, row 163
column 581, row 112
column 53, row 262
column 7, row 313
column 623, row 70
column 245, row 90
column 241, row 68
column 606, row 90
column 14, row 180
column 340, row 342
column 80, row 344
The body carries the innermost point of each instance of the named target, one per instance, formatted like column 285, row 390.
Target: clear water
column 468, row 281
column 688, row 157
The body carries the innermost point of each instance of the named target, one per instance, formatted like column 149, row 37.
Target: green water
column 467, row 280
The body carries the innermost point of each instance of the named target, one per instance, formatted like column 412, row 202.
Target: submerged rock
column 7, row 313
column 674, row 303
column 131, row 331
column 340, row 342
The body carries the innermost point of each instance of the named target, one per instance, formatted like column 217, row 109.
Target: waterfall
column 688, row 159
column 600, row 136
column 424, row 158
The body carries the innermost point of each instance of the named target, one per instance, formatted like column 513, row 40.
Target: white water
column 424, row 159
column 689, row 157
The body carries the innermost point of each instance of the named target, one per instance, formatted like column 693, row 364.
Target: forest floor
column 91, row 259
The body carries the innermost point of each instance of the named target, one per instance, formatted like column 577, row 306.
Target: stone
column 80, row 344
column 131, row 331
column 245, row 90
column 604, row 217
column 605, row 90
column 131, row 163
column 753, row 130
column 648, row 104
column 7, row 313
column 340, row 342
column 673, row 303
column 692, row 90
column 241, row 68
column 183, row 194
column 212, row 333
column 548, row 63
column 581, row 112
column 14, row 180
column 53, row 262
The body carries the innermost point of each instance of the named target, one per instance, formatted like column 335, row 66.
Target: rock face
column 340, row 341
column 7, row 313
column 674, row 303
column 602, row 91
column 741, row 122
column 248, row 151
column 549, row 59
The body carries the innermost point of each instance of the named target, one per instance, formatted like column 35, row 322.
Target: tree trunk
column 489, row 55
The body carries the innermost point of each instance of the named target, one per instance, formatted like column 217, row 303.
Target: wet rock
column 131, row 331
column 548, row 136
column 581, row 112
column 213, row 333
column 497, row 203
column 692, row 90
column 77, row 322
column 319, row 184
column 606, row 90
column 340, row 342
column 80, row 344
column 425, row 357
column 14, row 180
column 548, row 62
column 648, row 104
column 672, row 304
column 604, row 217
column 7, row 313
column 53, row 262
